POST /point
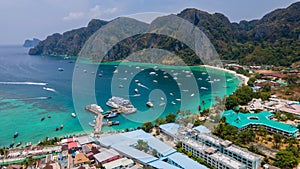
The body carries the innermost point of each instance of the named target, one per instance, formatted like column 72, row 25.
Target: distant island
column 272, row 40
column 31, row 43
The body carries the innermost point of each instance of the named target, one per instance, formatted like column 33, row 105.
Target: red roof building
column 72, row 145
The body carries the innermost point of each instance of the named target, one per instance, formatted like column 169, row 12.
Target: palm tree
column 277, row 140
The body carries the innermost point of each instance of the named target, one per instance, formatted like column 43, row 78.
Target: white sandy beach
column 240, row 76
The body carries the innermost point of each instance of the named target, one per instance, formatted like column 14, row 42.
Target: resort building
column 106, row 155
column 245, row 120
column 170, row 129
column 225, row 147
column 120, row 163
column 213, row 150
column 164, row 157
column 211, row 155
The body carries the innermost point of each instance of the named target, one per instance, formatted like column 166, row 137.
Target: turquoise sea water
column 22, row 105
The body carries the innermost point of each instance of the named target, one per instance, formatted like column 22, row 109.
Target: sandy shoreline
column 240, row 76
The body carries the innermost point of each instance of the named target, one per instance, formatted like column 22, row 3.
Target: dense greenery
column 241, row 96
column 170, row 118
column 231, row 133
column 142, row 146
column 147, row 126
column 285, row 159
column 48, row 141
column 272, row 40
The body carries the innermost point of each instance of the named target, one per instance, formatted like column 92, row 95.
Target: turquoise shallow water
column 23, row 105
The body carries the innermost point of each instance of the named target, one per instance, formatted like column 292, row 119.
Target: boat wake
column 32, row 98
column 23, row 83
column 50, row 89
column 143, row 86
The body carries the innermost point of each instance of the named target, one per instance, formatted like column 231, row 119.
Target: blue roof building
column 245, row 120
column 125, row 144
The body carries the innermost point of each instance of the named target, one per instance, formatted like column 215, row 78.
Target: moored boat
column 162, row 104
column 73, row 115
column 149, row 104
column 43, row 118
column 203, row 88
column 16, row 134
column 111, row 123
column 11, row 145
column 18, row 144
column 112, row 115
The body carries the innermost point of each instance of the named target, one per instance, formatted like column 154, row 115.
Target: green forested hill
column 273, row 39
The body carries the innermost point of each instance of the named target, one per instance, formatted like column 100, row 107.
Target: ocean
column 31, row 87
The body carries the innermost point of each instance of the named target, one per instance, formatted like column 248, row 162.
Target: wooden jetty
column 97, row 110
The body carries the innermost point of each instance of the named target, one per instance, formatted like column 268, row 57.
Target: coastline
column 240, row 76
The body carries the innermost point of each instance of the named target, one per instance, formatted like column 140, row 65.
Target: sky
column 27, row 19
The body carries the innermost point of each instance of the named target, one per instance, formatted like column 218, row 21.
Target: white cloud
column 95, row 12
column 73, row 16
column 98, row 11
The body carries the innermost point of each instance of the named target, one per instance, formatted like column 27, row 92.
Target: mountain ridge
column 273, row 39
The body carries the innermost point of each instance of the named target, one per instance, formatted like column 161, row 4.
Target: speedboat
column 149, row 104
column 193, row 94
column 136, row 95
column 179, row 100
column 73, row 115
column 203, row 88
column 155, row 81
column 121, row 86
column 136, row 90
column 162, row 104
column 162, row 98
column 166, row 77
column 61, row 127
column 173, row 102
column 49, row 89
column 112, row 114
column 11, row 145
column 28, row 144
column 100, row 75
column 92, row 124
column 171, row 94
column 152, row 73
column 110, row 123
column 175, row 78
column 16, row 134
column 43, row 118
column 60, row 69
column 116, row 71
column 18, row 144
